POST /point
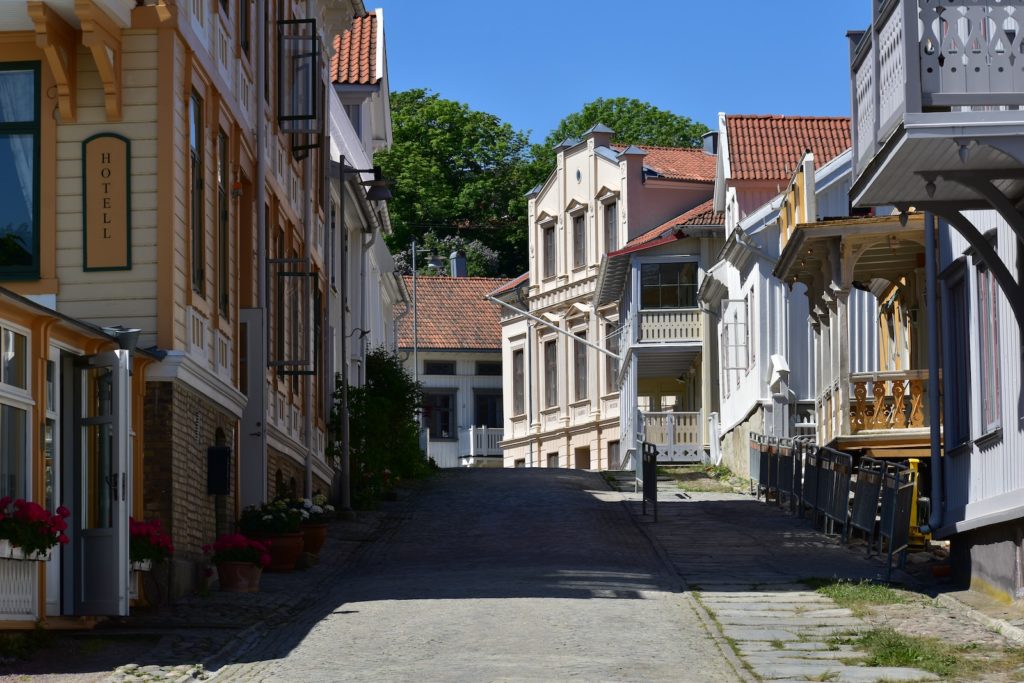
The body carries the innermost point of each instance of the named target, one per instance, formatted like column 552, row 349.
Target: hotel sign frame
column 107, row 201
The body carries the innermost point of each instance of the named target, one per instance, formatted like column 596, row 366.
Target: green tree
column 384, row 436
column 634, row 122
column 457, row 171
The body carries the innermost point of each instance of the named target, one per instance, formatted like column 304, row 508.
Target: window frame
column 33, row 128
column 18, row 398
column 579, row 240
column 197, row 194
column 956, row 350
column 452, row 410
column 223, row 224
column 987, row 309
column 611, row 228
column 493, row 371
column 580, row 367
column 518, row 381
column 680, row 287
column 495, row 394
column 611, row 366
column 430, row 367
column 550, row 347
column 549, row 252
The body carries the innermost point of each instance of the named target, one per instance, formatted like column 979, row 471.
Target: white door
column 252, row 456
column 103, row 484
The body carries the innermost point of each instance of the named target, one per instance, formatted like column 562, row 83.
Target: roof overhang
column 713, row 288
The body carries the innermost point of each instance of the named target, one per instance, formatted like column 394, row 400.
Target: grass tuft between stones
column 856, row 595
column 887, row 647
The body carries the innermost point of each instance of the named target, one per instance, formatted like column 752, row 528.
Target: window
column 552, row 459
column 279, row 300
column 988, row 356
column 611, row 365
column 520, row 462
column 614, row 459
column 244, row 26
column 488, row 368
column 549, row 251
column 355, row 116
column 550, row 374
column 579, row 366
column 579, row 241
column 736, row 358
column 668, row 285
column 19, row 169
column 439, row 414
column 13, row 415
column 611, row 227
column 487, row 410
column 195, row 135
column 439, row 367
column 223, row 237
column 518, row 393
column 956, row 374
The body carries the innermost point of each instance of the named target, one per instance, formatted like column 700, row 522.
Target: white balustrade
column 675, row 324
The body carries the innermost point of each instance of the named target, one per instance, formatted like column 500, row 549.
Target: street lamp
column 376, row 190
column 433, row 262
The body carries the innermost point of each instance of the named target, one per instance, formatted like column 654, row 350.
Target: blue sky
column 531, row 62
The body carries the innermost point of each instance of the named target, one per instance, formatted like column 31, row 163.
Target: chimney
column 458, row 261
column 711, row 142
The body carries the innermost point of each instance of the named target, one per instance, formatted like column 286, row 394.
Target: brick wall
column 287, row 477
column 179, row 425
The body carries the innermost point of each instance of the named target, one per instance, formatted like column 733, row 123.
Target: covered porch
column 670, row 410
column 865, row 285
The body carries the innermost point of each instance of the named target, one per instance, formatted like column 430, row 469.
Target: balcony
column 885, row 412
column 670, row 325
column 678, row 436
column 480, row 446
column 926, row 74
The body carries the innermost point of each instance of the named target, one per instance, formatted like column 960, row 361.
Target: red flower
column 63, row 539
column 63, row 511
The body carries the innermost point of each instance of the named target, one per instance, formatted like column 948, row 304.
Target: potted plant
column 148, row 543
column 279, row 524
column 315, row 514
column 240, row 562
column 28, row 531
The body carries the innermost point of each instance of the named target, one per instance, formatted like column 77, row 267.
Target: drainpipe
column 931, row 305
column 362, row 302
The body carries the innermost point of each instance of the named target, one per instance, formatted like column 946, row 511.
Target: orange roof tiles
column 702, row 214
column 769, row 147
column 509, row 285
column 453, row 314
column 355, row 53
column 679, row 163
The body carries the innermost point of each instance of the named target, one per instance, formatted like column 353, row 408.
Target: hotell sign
column 106, row 203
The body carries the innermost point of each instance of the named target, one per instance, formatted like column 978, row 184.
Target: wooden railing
column 928, row 55
column 889, row 401
column 670, row 429
column 480, row 441
column 671, row 324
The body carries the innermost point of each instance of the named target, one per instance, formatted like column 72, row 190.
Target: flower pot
column 284, row 550
column 314, row 536
column 239, row 577
column 13, row 552
column 142, row 565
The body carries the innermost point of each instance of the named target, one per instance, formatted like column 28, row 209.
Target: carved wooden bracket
column 103, row 38
column 59, row 43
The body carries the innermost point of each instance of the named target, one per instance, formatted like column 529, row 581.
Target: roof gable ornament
column 575, row 206
column 544, row 218
column 607, row 195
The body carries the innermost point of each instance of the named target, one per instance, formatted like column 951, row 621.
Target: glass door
column 103, row 484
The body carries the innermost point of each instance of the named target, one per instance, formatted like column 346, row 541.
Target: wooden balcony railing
column 672, row 429
column 889, row 401
column 928, row 55
column 671, row 324
column 480, row 441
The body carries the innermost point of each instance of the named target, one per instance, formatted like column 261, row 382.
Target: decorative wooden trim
column 103, row 38
column 59, row 43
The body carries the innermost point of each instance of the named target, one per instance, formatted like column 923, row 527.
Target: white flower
column 306, row 502
column 268, row 517
column 317, row 510
column 329, row 508
column 305, row 515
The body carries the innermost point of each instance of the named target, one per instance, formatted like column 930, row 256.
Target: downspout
column 307, row 239
column 261, row 236
column 362, row 302
column 931, row 305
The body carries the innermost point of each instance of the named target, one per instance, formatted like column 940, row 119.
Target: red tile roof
column 355, row 53
column 453, row 314
column 703, row 214
column 512, row 284
column 679, row 163
column 769, row 147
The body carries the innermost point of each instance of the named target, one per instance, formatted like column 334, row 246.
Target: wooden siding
column 975, row 474
column 117, row 297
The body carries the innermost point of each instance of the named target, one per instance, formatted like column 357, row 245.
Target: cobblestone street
column 499, row 575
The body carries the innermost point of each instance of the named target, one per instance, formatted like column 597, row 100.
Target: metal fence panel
column 650, row 471
column 755, row 463
column 785, row 467
column 865, row 497
column 810, row 497
column 837, row 509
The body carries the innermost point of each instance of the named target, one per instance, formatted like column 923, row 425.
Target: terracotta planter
column 314, row 536
column 239, row 577
column 284, row 550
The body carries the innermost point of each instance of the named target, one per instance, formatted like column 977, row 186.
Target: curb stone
column 1000, row 626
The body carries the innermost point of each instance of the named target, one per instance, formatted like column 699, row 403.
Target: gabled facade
column 452, row 344
column 764, row 344
column 938, row 127
column 562, row 403
column 667, row 377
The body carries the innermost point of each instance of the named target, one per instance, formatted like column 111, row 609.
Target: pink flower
column 63, row 511
column 63, row 539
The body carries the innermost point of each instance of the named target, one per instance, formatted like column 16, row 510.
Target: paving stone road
column 499, row 575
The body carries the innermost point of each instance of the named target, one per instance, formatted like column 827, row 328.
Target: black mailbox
column 218, row 470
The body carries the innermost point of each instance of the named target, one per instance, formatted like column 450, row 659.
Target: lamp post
column 377, row 190
column 434, row 263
